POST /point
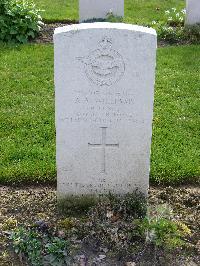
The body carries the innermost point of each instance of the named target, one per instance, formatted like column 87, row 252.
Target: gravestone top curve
column 104, row 25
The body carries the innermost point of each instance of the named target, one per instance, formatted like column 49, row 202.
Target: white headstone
column 104, row 85
column 192, row 12
column 96, row 9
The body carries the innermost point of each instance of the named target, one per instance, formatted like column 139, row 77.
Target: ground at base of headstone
column 46, row 35
column 106, row 235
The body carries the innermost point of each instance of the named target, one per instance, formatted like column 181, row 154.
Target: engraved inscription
column 103, row 145
column 104, row 66
column 102, row 106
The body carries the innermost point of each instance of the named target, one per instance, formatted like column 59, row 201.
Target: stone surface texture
column 89, row 9
column 192, row 12
column 104, row 86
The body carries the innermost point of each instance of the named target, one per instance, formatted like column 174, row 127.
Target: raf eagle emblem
column 104, row 66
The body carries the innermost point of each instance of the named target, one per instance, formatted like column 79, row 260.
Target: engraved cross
column 103, row 145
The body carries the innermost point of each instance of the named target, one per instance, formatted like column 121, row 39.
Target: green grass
column 176, row 142
column 145, row 11
column 136, row 11
column 58, row 9
column 27, row 130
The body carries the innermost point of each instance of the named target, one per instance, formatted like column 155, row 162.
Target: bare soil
column 46, row 35
column 29, row 204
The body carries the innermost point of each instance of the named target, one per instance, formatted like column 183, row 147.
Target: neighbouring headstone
column 104, row 86
column 192, row 12
column 98, row 9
